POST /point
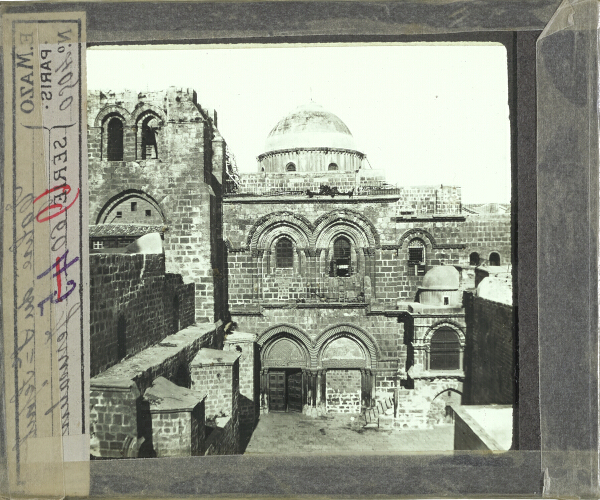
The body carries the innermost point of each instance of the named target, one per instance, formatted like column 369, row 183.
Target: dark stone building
column 346, row 293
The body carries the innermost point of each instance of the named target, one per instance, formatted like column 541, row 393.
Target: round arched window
column 284, row 253
column 444, row 351
column 333, row 166
column 290, row 167
column 114, row 146
column 474, row 259
column 341, row 257
column 494, row 259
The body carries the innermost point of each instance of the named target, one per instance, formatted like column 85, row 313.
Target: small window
column 284, row 254
column 494, row 259
column 98, row 244
column 474, row 259
column 119, row 215
column 446, row 301
column 149, row 131
column 333, row 166
column 416, row 257
column 148, row 213
column 114, row 146
column 341, row 257
column 445, row 350
column 133, row 206
column 290, row 167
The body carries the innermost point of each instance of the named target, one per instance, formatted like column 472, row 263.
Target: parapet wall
column 133, row 304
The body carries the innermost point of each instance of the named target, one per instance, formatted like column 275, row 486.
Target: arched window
column 474, row 259
column 114, row 141
column 149, row 127
column 284, row 253
column 333, row 166
column 341, row 257
column 290, row 167
column 444, row 351
column 416, row 257
column 121, row 338
column 494, row 259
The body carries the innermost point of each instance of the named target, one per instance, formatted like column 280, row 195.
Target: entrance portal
column 285, row 390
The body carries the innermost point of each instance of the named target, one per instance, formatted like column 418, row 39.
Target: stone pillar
column 177, row 417
column 244, row 345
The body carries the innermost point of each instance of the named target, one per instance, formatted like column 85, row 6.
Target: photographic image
column 300, row 249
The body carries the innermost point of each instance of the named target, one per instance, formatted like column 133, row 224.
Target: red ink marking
column 61, row 208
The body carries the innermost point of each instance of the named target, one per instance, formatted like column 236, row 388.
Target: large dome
column 310, row 126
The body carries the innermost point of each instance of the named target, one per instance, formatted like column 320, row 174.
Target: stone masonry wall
column 387, row 274
column 343, row 391
column 113, row 417
column 179, row 433
column 489, row 352
column 133, row 291
column 183, row 183
column 221, row 384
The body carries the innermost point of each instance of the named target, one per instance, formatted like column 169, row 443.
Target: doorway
column 285, row 390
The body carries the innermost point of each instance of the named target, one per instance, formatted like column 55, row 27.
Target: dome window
column 290, row 167
column 333, row 166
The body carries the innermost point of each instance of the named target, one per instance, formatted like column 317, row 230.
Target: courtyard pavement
column 295, row 433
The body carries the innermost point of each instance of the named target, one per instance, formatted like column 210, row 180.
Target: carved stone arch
column 445, row 324
column 268, row 238
column 417, row 233
column 353, row 219
column 262, row 225
column 112, row 110
column 357, row 334
column 143, row 109
column 115, row 200
column 271, row 336
column 330, row 233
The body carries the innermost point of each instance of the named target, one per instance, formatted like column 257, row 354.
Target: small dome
column 310, row 126
column 441, row 278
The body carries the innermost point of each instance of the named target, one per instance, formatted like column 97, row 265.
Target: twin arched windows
column 113, row 137
column 444, row 351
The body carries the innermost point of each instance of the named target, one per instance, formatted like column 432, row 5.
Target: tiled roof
column 104, row 230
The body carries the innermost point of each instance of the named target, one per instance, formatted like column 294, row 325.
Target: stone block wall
column 220, row 381
column 183, row 184
column 179, row 433
column 131, row 293
column 343, row 391
column 489, row 352
column 114, row 421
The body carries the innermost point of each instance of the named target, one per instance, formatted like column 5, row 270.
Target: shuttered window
column 445, row 350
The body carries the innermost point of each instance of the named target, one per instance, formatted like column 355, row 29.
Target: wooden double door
column 285, row 390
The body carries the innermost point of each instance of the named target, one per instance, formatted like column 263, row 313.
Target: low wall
column 117, row 412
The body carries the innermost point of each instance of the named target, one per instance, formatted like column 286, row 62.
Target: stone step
column 372, row 425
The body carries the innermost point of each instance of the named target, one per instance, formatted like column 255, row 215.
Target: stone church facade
column 308, row 286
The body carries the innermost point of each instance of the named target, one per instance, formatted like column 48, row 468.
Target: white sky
column 425, row 114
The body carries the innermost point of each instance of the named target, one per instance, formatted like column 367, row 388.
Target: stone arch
column 141, row 115
column 267, row 239
column 420, row 234
column 445, row 324
column 451, row 386
column 354, row 223
column 357, row 334
column 283, row 340
column 112, row 202
column 266, row 224
column 112, row 110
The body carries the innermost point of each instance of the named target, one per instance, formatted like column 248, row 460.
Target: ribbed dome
column 441, row 278
column 310, row 126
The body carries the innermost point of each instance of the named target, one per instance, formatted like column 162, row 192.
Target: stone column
column 245, row 345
